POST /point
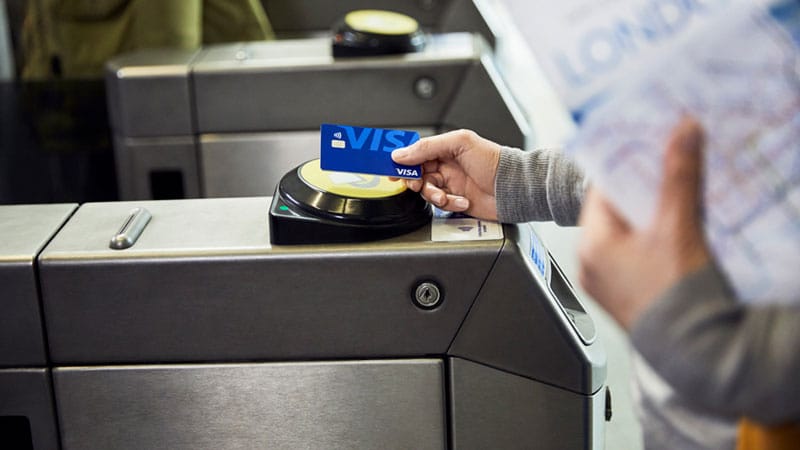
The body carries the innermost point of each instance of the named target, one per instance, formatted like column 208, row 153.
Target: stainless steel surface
column 252, row 164
column 25, row 390
column 515, row 296
column 389, row 404
column 131, row 230
column 149, row 93
column 297, row 85
column 193, row 227
column 212, row 259
column 428, row 294
column 27, row 393
column 24, row 231
column 203, row 283
column 425, row 88
column 137, row 159
column 494, row 409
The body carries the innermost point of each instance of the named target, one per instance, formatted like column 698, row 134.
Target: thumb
column 681, row 187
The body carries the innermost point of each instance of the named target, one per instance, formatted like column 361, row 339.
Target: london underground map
column 739, row 75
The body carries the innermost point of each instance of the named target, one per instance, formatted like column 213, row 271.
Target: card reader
column 314, row 206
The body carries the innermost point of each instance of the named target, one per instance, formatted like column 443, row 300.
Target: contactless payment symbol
column 338, row 142
column 346, row 148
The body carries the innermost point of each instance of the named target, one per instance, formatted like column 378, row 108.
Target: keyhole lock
column 427, row 295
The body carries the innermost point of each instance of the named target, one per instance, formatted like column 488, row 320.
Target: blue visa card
column 347, row 148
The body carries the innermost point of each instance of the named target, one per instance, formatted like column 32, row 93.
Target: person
column 463, row 172
column 734, row 360
column 68, row 39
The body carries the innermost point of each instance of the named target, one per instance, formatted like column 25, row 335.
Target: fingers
column 417, row 184
column 681, row 186
column 443, row 200
column 432, row 148
column 414, row 185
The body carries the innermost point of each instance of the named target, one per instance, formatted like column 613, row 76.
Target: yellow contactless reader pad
column 373, row 32
column 315, row 206
column 349, row 184
column 381, row 22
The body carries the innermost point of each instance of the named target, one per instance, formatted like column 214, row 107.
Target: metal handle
column 130, row 231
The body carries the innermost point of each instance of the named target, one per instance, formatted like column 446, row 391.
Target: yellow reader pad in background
column 349, row 184
column 381, row 22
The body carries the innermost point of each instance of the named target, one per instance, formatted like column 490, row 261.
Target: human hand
column 626, row 269
column 458, row 171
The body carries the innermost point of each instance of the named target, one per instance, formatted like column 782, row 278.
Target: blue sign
column 539, row 254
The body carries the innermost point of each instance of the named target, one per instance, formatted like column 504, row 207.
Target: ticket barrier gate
column 27, row 412
column 230, row 120
column 192, row 329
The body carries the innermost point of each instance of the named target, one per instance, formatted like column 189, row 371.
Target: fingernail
column 438, row 198
column 399, row 153
column 461, row 203
column 696, row 137
column 692, row 134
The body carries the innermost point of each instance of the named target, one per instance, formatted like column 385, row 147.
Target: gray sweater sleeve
column 538, row 185
column 741, row 360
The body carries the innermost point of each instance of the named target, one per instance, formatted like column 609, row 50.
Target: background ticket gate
column 191, row 330
column 305, row 18
column 230, row 120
